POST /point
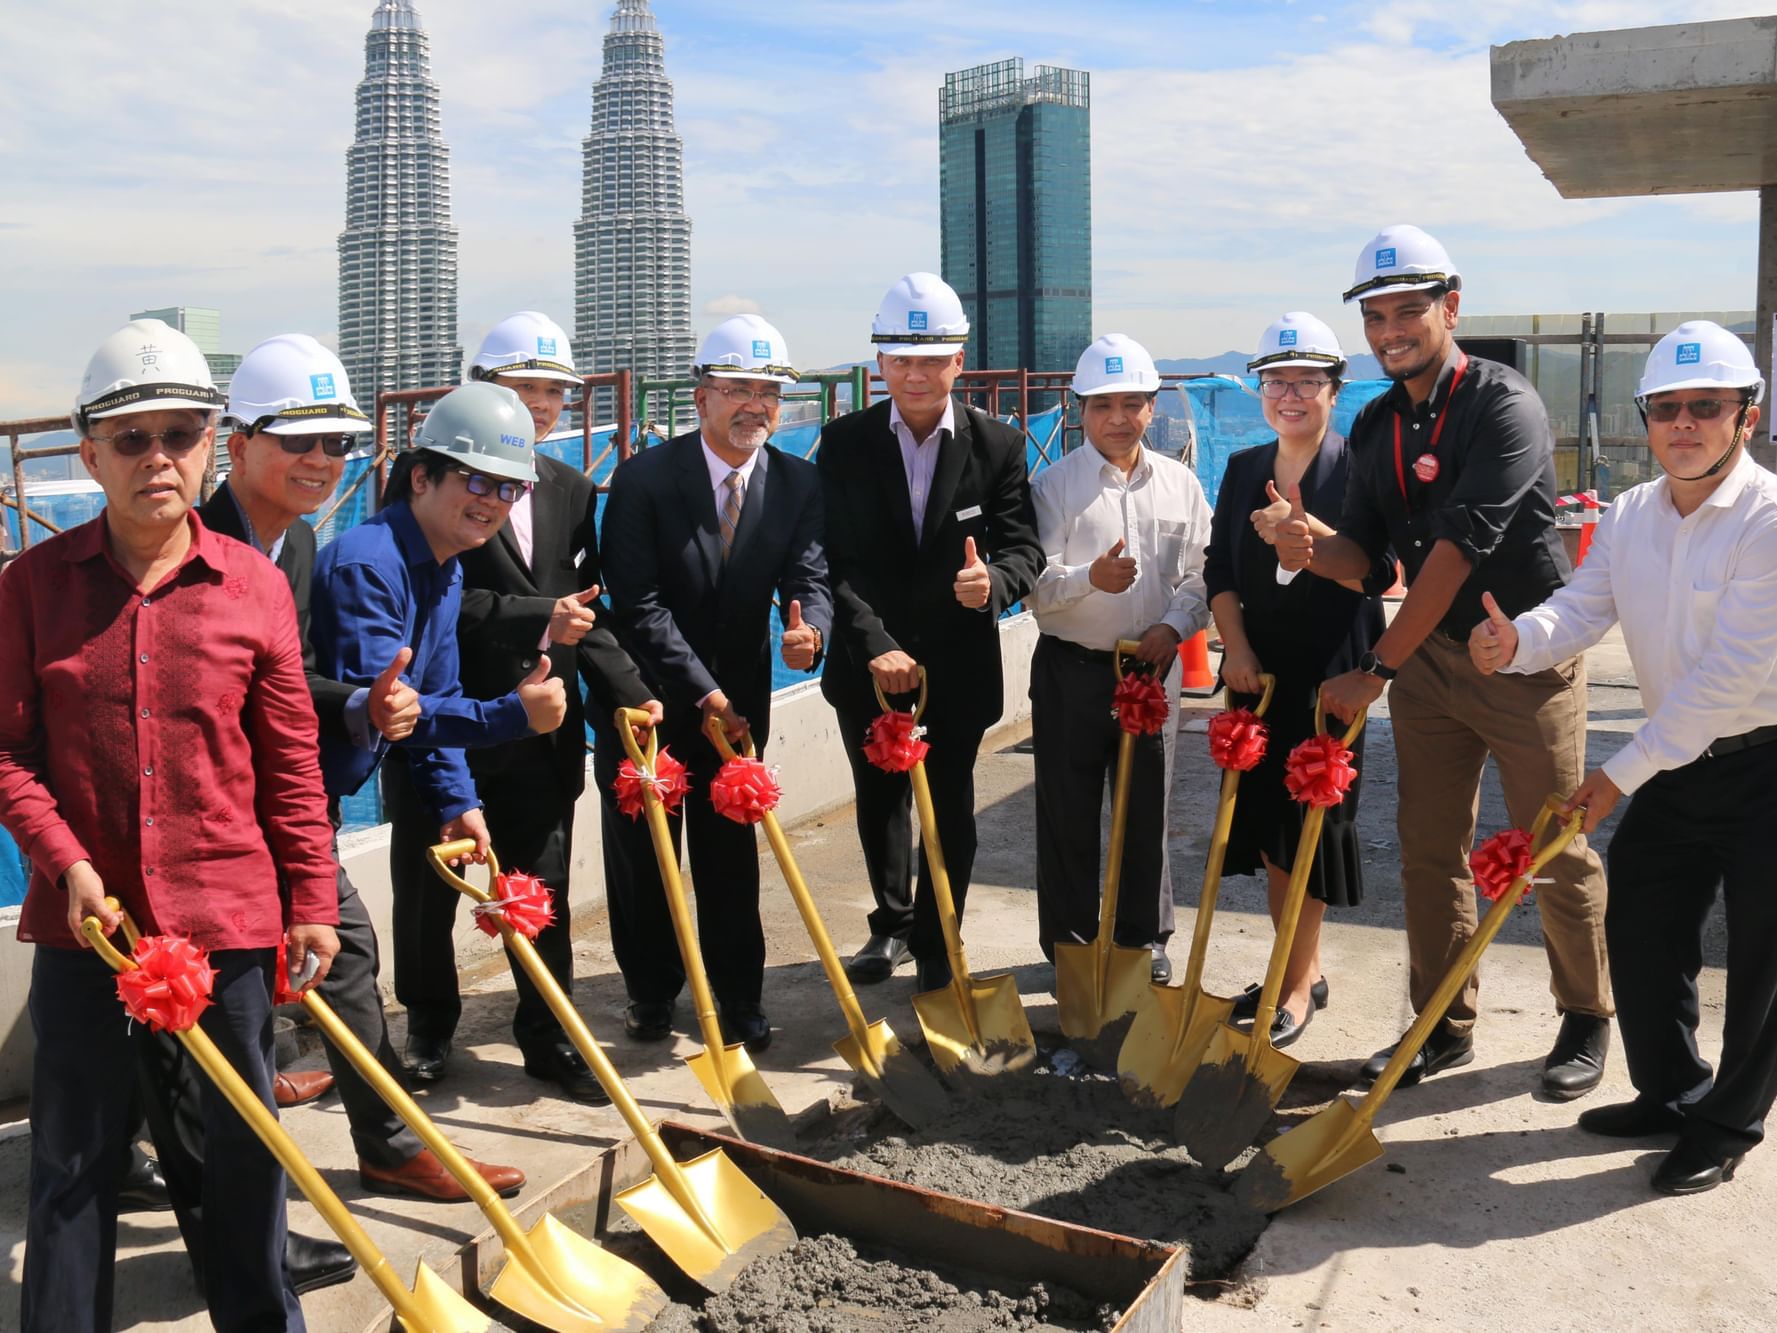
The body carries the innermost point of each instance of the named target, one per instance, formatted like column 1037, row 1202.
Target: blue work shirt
column 378, row 589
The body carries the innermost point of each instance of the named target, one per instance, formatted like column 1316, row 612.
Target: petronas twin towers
column 398, row 252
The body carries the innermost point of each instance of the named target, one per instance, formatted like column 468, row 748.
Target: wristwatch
column 1371, row 665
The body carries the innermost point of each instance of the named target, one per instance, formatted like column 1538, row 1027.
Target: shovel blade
column 905, row 1085
column 740, row 1094
column 1089, row 1000
column 440, row 1308
column 607, row 1292
column 1319, row 1151
column 988, row 1006
column 1166, row 1043
column 744, row 1224
column 1225, row 1105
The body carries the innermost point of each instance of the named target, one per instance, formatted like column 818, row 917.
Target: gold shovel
column 872, row 1050
column 705, row 1214
column 1340, row 1139
column 726, row 1071
column 432, row 1306
column 1237, row 1084
column 1099, row 982
column 975, row 1025
column 1167, row 1039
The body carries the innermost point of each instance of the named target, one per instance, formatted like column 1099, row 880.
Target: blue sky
column 1241, row 156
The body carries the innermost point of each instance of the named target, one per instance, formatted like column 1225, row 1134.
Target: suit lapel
column 953, row 456
column 700, row 503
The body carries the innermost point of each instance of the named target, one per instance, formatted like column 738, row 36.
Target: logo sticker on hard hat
column 762, row 349
column 1113, row 365
column 1385, row 257
column 1425, row 467
column 916, row 321
column 1286, row 338
column 546, row 347
column 321, row 386
column 1690, row 354
column 150, row 355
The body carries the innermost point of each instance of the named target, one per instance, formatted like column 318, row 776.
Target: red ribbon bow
column 668, row 781
column 1319, row 771
column 744, row 790
column 521, row 898
column 1140, row 703
column 893, row 743
column 170, row 985
column 1237, row 739
column 1499, row 862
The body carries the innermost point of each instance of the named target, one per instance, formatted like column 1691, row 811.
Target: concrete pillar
column 1762, row 449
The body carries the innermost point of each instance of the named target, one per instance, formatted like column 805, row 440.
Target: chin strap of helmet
column 1728, row 453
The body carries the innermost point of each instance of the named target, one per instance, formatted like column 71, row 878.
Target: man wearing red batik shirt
column 157, row 745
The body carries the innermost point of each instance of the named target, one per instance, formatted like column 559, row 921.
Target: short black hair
column 400, row 484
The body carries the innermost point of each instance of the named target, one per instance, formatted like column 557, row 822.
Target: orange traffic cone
column 1193, row 656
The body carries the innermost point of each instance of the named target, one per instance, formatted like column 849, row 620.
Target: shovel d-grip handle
column 717, row 730
column 1320, row 722
column 627, row 720
column 919, row 709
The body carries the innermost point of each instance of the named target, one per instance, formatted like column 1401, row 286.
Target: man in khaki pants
column 1454, row 467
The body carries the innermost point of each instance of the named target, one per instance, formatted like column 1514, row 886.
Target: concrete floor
column 1490, row 1209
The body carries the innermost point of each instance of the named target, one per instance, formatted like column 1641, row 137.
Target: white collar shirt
column 1697, row 598
column 719, row 471
column 1084, row 506
column 919, row 458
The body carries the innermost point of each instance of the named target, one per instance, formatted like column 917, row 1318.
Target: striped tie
column 737, row 494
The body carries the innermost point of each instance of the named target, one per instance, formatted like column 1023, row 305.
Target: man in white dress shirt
column 1123, row 531
column 1687, row 563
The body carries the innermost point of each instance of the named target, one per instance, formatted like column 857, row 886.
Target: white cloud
column 723, row 307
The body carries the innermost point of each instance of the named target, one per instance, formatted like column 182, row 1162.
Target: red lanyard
column 1437, row 431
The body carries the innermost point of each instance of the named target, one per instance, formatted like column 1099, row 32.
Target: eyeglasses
column 334, row 446
column 1308, row 388
column 741, row 397
column 136, row 442
column 479, row 483
column 1701, row 409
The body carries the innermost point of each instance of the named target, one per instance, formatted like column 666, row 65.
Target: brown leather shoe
column 423, row 1177
column 299, row 1087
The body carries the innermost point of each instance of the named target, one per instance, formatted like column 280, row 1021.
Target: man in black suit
column 698, row 535
column 931, row 536
column 533, row 587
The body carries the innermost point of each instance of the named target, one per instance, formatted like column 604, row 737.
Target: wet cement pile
column 1070, row 1148
column 823, row 1284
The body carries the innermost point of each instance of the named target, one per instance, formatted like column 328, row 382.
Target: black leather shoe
column 1576, row 1064
column 877, row 960
column 561, row 1064
column 143, row 1189
column 1160, row 971
column 931, row 974
column 1638, row 1119
column 1285, row 1029
column 1444, row 1049
column 648, row 1020
column 745, row 1023
column 1689, row 1169
column 314, row 1264
column 425, row 1057
column 1246, row 1008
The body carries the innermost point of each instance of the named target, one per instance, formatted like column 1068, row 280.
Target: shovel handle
column 1320, row 722
column 627, row 720
column 1267, row 680
column 919, row 709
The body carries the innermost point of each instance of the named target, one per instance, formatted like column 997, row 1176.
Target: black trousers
column 885, row 827
column 1686, row 833
column 724, row 871
column 532, row 826
column 82, row 1119
column 1076, row 739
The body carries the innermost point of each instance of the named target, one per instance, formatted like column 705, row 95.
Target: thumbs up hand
column 1494, row 642
column 394, row 704
column 801, row 641
column 1294, row 536
column 544, row 697
column 573, row 616
column 1113, row 571
column 974, row 585
column 1275, row 512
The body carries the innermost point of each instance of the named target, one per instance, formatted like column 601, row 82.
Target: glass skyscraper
column 632, row 243
column 398, row 252
column 1015, row 182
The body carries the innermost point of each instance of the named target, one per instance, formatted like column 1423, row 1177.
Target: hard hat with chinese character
column 1402, row 258
column 921, row 315
column 1116, row 363
column 291, row 385
column 146, row 366
column 527, row 344
column 745, row 347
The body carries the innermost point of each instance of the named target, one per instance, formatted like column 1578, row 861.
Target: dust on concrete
column 825, row 1284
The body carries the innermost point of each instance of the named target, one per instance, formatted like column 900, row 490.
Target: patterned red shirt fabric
column 168, row 738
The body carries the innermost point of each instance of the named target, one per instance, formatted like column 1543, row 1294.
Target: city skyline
column 811, row 165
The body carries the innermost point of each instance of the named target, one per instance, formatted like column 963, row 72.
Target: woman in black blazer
column 1300, row 630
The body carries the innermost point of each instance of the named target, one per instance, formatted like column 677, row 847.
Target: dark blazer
column 297, row 559
column 692, row 622
column 890, row 593
column 506, row 609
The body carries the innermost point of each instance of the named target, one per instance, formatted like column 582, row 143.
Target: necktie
column 737, row 494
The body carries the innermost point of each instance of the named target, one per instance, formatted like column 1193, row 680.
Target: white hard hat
column 1402, row 258
column 485, row 427
column 920, row 316
column 528, row 344
column 1298, row 339
column 146, row 366
column 291, row 385
column 1700, row 355
column 1116, row 363
column 745, row 347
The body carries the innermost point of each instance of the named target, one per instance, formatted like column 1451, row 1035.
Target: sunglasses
column 334, row 446
column 1701, row 409
column 479, row 483
column 136, row 442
